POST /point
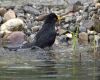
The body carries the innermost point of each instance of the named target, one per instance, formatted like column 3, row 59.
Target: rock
column 77, row 6
column 15, row 38
column 91, row 39
column 88, row 24
column 66, row 26
column 97, row 5
column 79, row 18
column 96, row 26
column 35, row 28
column 31, row 10
column 2, row 11
column 10, row 14
column 12, row 24
column 72, row 28
column 41, row 17
column 31, row 38
column 83, row 38
column 82, row 29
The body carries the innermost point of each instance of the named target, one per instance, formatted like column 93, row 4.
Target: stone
column 15, row 38
column 12, row 24
column 35, row 29
column 83, row 38
column 72, row 28
column 10, row 14
column 96, row 26
column 88, row 24
column 82, row 29
column 66, row 26
column 2, row 11
column 41, row 17
column 31, row 38
column 79, row 18
column 31, row 10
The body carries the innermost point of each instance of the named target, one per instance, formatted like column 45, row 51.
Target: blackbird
column 46, row 35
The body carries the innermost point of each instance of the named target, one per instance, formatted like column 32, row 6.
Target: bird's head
column 52, row 17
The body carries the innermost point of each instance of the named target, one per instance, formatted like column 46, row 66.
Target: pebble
column 10, row 14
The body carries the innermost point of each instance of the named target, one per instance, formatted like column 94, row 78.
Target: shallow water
column 58, row 64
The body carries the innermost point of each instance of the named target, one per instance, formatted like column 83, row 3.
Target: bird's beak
column 59, row 18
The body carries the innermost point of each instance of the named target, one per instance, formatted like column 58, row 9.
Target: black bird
column 46, row 35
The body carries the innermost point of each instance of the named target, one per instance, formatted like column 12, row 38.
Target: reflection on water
column 46, row 67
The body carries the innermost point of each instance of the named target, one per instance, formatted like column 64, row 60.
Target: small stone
column 79, row 18
column 66, row 26
column 72, row 28
column 83, row 38
column 31, row 10
column 35, row 29
column 41, row 17
column 82, row 29
column 10, row 14
column 12, row 24
column 31, row 38
column 2, row 11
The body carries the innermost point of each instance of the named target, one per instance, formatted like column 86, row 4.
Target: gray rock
column 87, row 23
column 82, row 29
column 72, row 28
column 66, row 26
column 31, row 10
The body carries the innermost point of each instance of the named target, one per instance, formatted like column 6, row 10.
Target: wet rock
column 12, row 24
column 83, row 38
column 31, row 10
column 2, row 11
column 10, row 14
column 35, row 28
column 15, row 38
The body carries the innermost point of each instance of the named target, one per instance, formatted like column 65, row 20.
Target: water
column 57, row 64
